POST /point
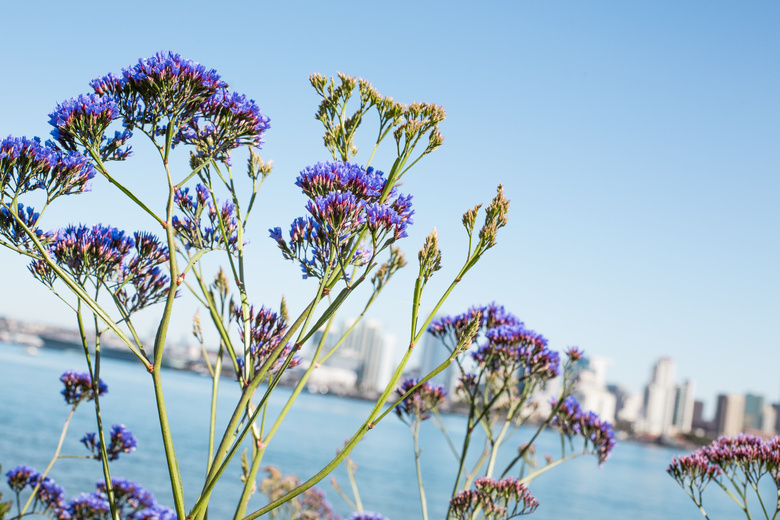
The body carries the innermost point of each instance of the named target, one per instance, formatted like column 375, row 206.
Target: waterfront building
column 754, row 411
column 591, row 389
column 768, row 419
column 730, row 415
column 434, row 352
column 659, row 399
column 683, row 407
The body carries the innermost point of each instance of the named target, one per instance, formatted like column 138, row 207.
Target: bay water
column 632, row 484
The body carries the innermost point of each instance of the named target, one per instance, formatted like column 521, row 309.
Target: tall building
column 659, row 400
column 368, row 346
column 683, row 407
column 730, row 416
column 591, row 388
column 434, row 352
column 754, row 411
column 366, row 351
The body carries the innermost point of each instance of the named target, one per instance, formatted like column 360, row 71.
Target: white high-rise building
column 369, row 348
column 683, row 407
column 591, row 388
column 434, row 352
column 659, row 400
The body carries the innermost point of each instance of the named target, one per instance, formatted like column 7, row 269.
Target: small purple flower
column 88, row 506
column 266, row 331
column 13, row 230
column 345, row 200
column 366, row 515
column 21, row 476
column 91, row 251
column 83, row 120
column 419, row 405
column 571, row 420
column 129, row 495
column 122, row 441
column 222, row 224
column 231, row 120
column 162, row 86
column 27, row 165
column 50, row 494
column 497, row 499
column 156, row 512
column 78, row 387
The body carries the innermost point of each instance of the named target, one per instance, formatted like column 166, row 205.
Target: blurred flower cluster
column 736, row 465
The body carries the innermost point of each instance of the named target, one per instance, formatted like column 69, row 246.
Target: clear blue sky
column 638, row 142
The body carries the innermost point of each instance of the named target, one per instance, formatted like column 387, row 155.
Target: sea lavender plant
column 509, row 365
column 354, row 217
column 736, row 465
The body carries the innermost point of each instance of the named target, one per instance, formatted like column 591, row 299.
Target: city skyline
column 636, row 141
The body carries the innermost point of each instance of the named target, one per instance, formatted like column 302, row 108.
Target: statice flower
column 230, row 120
column 266, row 330
column 20, row 477
column 122, row 441
column 144, row 274
column 162, row 86
column 11, row 228
column 131, row 267
column 493, row 315
column 88, row 506
column 571, row 420
column 129, row 496
column 497, row 499
column 78, row 387
column 83, row 120
column 27, row 165
column 366, row 515
column 344, row 201
column 314, row 506
column 730, row 457
column 190, row 229
column 90, row 251
column 156, row 512
column 50, row 494
column 513, row 347
column 419, row 405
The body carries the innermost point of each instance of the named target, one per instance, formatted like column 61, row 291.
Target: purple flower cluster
column 231, row 120
column 513, row 347
column 571, row 420
column 366, row 515
column 497, row 499
column 509, row 346
column 122, row 441
column 266, row 330
column 344, row 200
column 493, row 316
column 419, row 405
column 12, row 229
column 153, row 94
column 743, row 454
column 78, row 387
column 189, row 227
column 50, row 495
column 103, row 253
column 27, row 165
column 133, row 502
column 83, row 120
column 164, row 85
column 314, row 505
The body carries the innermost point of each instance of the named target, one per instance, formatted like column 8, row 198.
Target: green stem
column 51, row 464
column 417, row 452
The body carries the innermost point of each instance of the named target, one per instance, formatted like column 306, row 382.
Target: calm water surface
column 632, row 484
